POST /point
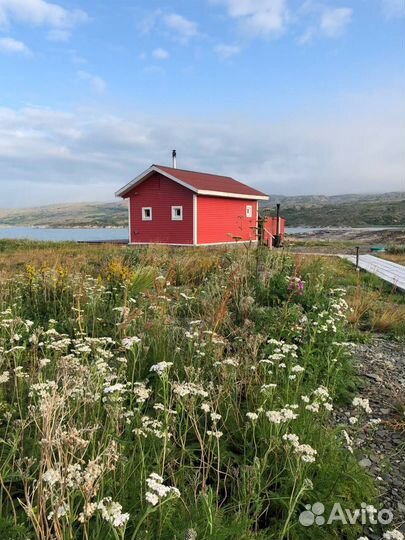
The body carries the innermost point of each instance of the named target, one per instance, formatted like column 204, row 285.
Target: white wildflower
column 282, row 416
column 297, row 369
column 4, row 377
column 189, row 389
column 217, row 434
column 141, row 392
column 43, row 362
column 129, row 342
column 161, row 367
column 205, row 407
column 362, row 403
column 117, row 387
column 393, row 535
column 158, row 490
column 151, row 498
column 51, row 477
column 111, row 512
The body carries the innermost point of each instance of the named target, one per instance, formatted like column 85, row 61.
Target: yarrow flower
column 304, row 451
column 161, row 367
column 111, row 512
column 205, row 408
column 141, row 392
column 117, row 387
column 158, row 490
column 393, row 535
column 4, row 377
column 362, row 403
column 189, row 389
column 51, row 477
column 281, row 417
column 252, row 416
column 214, row 433
column 129, row 342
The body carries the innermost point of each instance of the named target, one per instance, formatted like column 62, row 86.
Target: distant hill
column 335, row 200
column 311, row 210
column 111, row 214
column 342, row 210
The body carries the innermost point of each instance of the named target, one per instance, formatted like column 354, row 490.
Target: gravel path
column 381, row 365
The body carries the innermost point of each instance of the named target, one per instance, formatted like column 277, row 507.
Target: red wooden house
column 174, row 206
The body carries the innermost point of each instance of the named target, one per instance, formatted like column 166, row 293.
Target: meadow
column 180, row 394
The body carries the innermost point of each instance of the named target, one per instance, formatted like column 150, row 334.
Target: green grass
column 118, row 364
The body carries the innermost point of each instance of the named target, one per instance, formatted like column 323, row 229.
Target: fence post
column 357, row 257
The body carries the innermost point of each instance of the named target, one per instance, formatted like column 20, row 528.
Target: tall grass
column 173, row 395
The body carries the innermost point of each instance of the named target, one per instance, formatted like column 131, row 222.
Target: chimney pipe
column 277, row 239
column 278, row 219
column 174, row 157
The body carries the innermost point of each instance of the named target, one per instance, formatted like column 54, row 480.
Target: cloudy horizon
column 293, row 97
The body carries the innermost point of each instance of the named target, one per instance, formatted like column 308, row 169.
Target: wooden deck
column 388, row 271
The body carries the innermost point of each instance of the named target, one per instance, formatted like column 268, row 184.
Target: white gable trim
column 146, row 174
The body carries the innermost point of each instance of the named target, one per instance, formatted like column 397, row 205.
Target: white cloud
column 42, row 13
column 307, row 36
column 58, row 35
column 334, row 21
column 260, row 17
column 10, row 45
column 394, row 8
column 184, row 29
column 97, row 83
column 146, row 23
column 51, row 156
column 160, row 54
column 227, row 51
column 154, row 70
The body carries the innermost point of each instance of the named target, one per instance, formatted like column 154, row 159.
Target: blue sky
column 291, row 96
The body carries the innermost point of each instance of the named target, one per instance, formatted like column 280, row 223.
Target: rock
column 382, row 366
column 373, row 376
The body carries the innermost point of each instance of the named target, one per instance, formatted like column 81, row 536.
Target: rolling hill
column 311, row 210
column 111, row 214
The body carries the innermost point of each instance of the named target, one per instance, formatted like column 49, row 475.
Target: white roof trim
column 143, row 176
column 232, row 195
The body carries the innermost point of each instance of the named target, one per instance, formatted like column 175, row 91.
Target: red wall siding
column 161, row 194
column 220, row 218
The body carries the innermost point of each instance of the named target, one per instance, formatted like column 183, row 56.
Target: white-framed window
column 177, row 213
column 249, row 210
column 147, row 213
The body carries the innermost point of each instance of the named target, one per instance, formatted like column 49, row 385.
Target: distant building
column 178, row 207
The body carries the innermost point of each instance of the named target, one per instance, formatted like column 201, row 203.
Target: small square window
column 147, row 214
column 177, row 213
column 249, row 210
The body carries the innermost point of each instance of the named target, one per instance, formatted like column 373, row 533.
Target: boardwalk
column 388, row 271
